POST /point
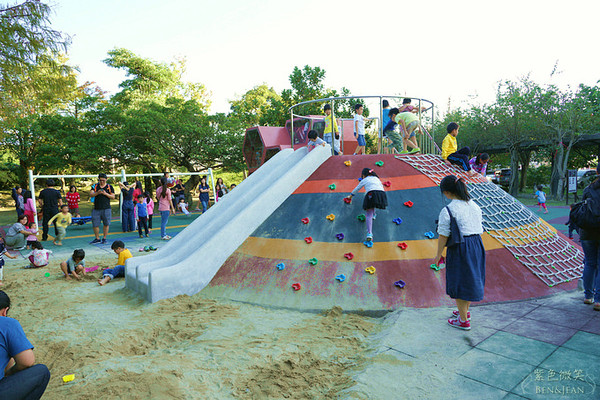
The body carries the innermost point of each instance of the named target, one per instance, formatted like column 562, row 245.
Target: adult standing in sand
column 50, row 200
column 102, row 193
column 20, row 377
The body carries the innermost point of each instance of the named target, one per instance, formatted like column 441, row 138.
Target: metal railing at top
column 427, row 142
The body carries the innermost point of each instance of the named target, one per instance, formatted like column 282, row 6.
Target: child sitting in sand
column 74, row 265
column 119, row 271
column 32, row 238
column 39, row 257
column 63, row 220
column 3, row 252
column 183, row 206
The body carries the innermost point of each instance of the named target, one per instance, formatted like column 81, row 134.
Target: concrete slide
column 188, row 262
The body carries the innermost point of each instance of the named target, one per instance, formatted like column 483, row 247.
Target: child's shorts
column 412, row 127
column 116, row 272
column 361, row 140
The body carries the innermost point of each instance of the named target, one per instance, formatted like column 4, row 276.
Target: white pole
column 32, row 190
column 212, row 182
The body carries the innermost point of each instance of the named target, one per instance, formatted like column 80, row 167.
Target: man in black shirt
column 102, row 193
column 50, row 200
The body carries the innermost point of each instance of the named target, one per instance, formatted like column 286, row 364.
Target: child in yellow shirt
column 63, row 220
column 450, row 154
column 119, row 271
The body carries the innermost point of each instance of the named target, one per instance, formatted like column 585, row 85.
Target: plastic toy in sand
column 296, row 286
column 402, row 245
column 305, row 221
column 92, row 269
column 308, row 239
column 340, row 236
column 68, row 378
column 370, row 270
column 47, row 274
column 341, row 277
column 397, row 221
column 280, row 266
column 330, row 217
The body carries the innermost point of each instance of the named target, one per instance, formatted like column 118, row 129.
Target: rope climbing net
column 530, row 240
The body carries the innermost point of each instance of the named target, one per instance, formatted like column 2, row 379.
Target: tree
column 568, row 114
column 250, row 109
column 26, row 41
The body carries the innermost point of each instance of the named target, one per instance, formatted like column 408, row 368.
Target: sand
column 182, row 348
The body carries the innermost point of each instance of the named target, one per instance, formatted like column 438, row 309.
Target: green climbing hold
column 332, row 186
column 361, row 217
column 379, row 163
column 313, row 261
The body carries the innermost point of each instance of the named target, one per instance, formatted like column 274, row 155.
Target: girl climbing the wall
column 374, row 198
column 465, row 261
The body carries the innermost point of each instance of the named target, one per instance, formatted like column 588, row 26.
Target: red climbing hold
column 408, row 203
column 349, row 256
column 305, row 220
column 387, row 183
column 402, row 245
column 308, row 239
column 296, row 286
column 347, row 200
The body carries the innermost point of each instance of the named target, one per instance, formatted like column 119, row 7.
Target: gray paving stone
column 517, row 347
column 549, row 333
column 592, row 326
column 584, row 342
column 560, row 317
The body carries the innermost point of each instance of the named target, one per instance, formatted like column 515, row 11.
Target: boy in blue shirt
column 541, row 197
column 142, row 212
column 314, row 140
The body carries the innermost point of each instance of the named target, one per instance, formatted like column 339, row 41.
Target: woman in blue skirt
column 465, row 262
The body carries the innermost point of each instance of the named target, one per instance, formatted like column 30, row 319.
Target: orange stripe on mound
column 381, row 251
column 347, row 185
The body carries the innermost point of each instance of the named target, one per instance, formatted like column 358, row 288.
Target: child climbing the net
column 375, row 197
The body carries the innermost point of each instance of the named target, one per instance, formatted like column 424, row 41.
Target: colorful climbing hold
column 332, row 186
column 348, row 163
column 370, row 270
column 397, row 221
column 400, row 284
column 305, row 221
column 308, row 239
column 280, row 266
column 330, row 217
column 347, row 200
column 387, row 183
column 429, row 235
column 296, row 286
column 349, row 256
column 361, row 217
column 340, row 236
column 379, row 163
column 341, row 277
column 368, row 243
column 435, row 267
column 408, row 203
column 441, row 263
column 402, row 245
column 313, row 261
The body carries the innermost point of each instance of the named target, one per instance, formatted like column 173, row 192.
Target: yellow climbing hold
column 330, row 217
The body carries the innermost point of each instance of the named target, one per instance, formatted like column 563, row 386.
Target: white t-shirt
column 183, row 207
column 369, row 183
column 359, row 124
column 468, row 217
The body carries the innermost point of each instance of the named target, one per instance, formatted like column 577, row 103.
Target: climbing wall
column 311, row 253
column 535, row 244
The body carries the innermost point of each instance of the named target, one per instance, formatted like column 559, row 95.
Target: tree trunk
column 525, row 158
column 513, row 188
column 558, row 173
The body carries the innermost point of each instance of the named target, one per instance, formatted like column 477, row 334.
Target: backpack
column 586, row 213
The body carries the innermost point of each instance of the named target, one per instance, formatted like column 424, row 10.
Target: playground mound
column 310, row 253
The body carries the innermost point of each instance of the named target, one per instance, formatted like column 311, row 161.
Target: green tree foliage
column 26, row 41
column 250, row 109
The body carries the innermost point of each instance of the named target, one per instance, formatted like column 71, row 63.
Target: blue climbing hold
column 280, row 266
column 341, row 277
column 368, row 243
column 429, row 235
column 340, row 236
column 400, row 284
column 397, row 221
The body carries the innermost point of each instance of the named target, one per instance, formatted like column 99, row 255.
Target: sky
column 439, row 50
